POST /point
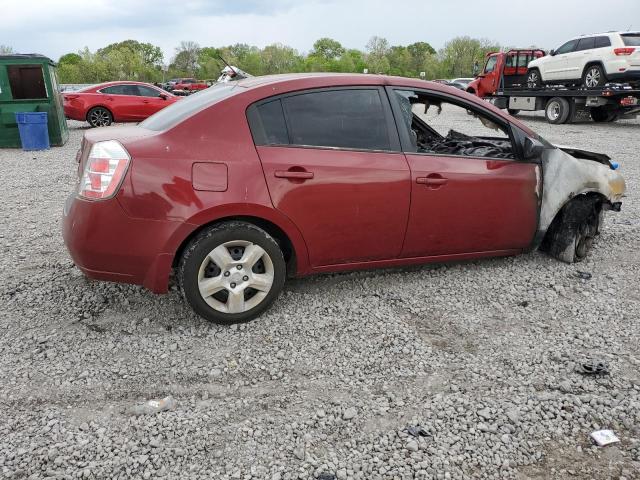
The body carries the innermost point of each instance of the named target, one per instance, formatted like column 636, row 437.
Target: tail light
column 623, row 51
column 104, row 170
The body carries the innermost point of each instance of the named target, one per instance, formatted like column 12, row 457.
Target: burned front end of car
column 578, row 188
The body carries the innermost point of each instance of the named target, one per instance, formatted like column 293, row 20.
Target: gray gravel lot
column 481, row 354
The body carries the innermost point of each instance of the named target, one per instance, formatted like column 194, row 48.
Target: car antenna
column 225, row 62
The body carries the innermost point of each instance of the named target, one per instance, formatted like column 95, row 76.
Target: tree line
column 133, row 60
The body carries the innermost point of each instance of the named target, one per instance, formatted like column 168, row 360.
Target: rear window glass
column 602, row 42
column 337, row 118
column 631, row 39
column 177, row 112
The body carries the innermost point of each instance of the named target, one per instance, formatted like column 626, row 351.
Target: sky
column 56, row 27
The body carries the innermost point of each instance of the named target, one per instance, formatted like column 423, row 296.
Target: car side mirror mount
column 552, row 52
column 533, row 148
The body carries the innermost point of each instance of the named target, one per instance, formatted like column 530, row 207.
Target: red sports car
column 249, row 182
column 102, row 104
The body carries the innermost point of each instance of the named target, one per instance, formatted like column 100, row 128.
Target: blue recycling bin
column 34, row 131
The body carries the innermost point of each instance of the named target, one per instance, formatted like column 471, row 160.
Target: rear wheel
column 232, row 272
column 533, row 78
column 557, row 110
column 593, row 77
column 603, row 114
column 99, row 117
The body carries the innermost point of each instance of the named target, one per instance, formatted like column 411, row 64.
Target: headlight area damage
column 578, row 187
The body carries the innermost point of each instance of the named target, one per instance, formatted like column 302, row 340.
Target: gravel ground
column 480, row 354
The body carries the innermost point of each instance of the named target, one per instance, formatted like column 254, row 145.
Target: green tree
column 459, row 54
column 278, row 58
column 186, row 58
column 377, row 50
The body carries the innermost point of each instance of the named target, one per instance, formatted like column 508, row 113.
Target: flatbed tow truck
column 503, row 83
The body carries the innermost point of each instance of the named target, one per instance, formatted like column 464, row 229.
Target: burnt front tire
column 231, row 272
column 557, row 110
column 593, row 77
column 571, row 234
column 99, row 117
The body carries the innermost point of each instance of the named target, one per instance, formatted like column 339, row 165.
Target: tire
column 572, row 232
column 99, row 117
column 513, row 111
column 233, row 300
column 557, row 110
column 593, row 77
column 534, row 79
column 603, row 114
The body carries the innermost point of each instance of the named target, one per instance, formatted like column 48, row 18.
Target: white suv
column 591, row 60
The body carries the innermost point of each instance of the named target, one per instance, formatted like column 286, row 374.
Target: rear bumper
column 628, row 76
column 106, row 244
column 74, row 113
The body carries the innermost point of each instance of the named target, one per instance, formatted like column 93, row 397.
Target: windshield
column 170, row 116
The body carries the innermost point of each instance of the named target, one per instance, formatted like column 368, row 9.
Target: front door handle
column 294, row 174
column 433, row 180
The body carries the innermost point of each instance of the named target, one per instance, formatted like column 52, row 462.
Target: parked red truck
column 503, row 82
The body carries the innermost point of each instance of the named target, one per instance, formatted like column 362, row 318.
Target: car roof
column 603, row 34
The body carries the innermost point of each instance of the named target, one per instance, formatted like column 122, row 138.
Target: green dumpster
column 28, row 83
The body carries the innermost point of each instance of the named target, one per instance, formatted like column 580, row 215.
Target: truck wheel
column 603, row 114
column 513, row 111
column 533, row 78
column 231, row 272
column 593, row 77
column 557, row 110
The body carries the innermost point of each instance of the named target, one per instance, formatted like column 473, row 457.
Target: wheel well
column 576, row 210
column 594, row 62
column 271, row 228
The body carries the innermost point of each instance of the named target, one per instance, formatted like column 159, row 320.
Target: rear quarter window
column 602, row 42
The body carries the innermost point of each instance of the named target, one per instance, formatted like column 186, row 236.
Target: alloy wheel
column 99, row 117
column 592, row 78
column 533, row 80
column 235, row 276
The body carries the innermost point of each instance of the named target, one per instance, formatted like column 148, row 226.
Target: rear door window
column 602, row 42
column 586, row 44
column 349, row 118
column 631, row 39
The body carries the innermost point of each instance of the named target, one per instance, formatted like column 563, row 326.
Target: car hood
column 566, row 175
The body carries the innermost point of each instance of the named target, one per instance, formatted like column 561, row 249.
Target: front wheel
column 533, row 78
column 603, row 114
column 232, row 272
column 557, row 110
column 99, row 117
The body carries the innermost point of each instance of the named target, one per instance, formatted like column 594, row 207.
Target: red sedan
column 102, row 104
column 247, row 183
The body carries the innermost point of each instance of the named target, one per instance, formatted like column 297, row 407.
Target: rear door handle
column 293, row 174
column 145, row 101
column 434, row 180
